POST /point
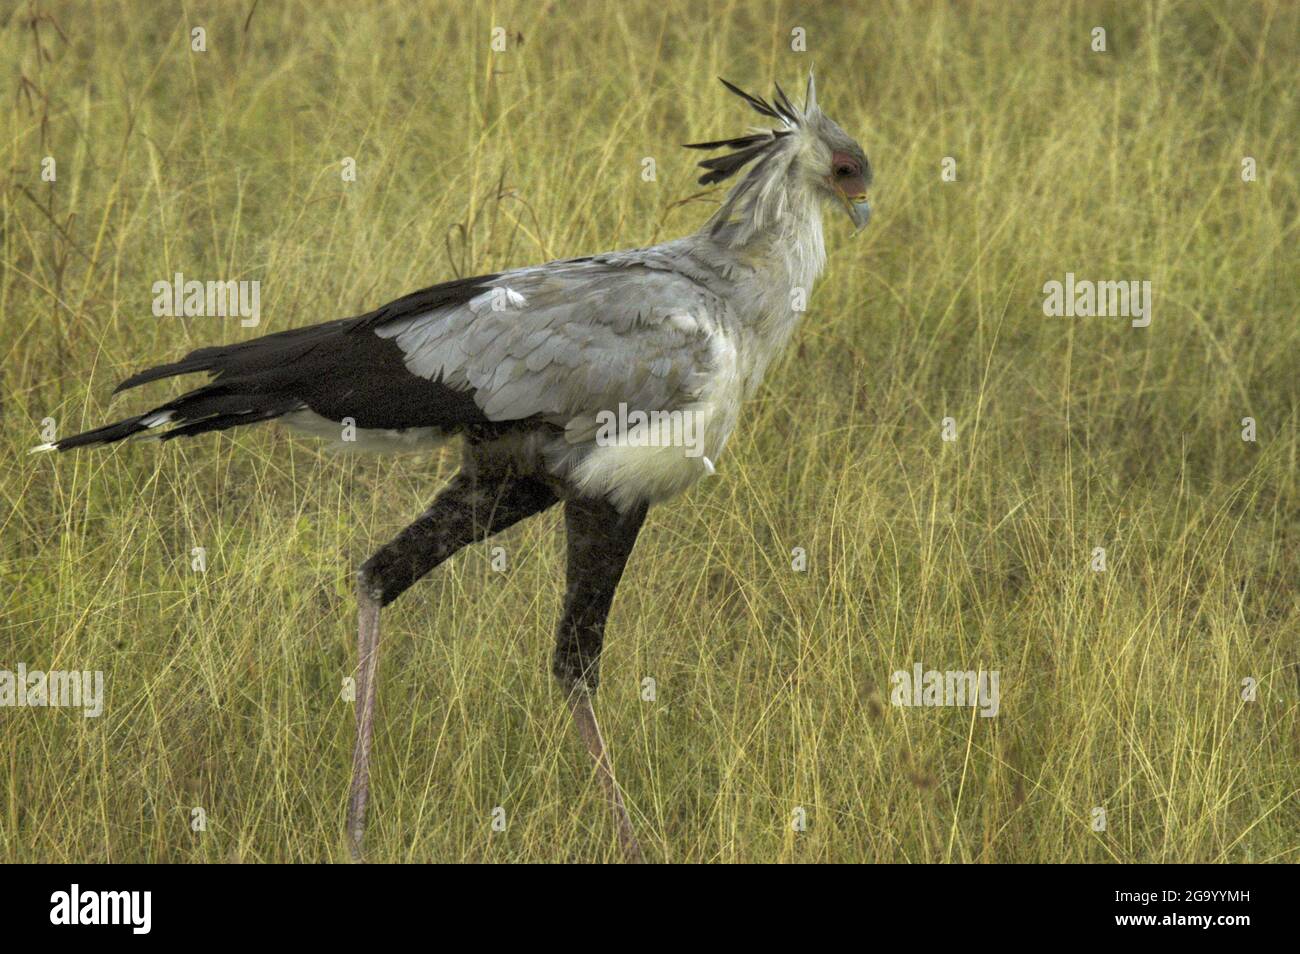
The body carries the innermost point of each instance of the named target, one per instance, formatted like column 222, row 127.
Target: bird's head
column 815, row 151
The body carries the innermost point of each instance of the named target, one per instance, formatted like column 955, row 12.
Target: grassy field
column 1122, row 689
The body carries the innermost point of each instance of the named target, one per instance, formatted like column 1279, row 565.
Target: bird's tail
column 339, row 370
column 197, row 412
column 253, row 381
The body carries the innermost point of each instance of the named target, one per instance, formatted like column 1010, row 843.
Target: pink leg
column 367, row 666
column 585, row 717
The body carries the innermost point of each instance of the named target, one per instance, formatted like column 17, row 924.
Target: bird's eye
column 844, row 170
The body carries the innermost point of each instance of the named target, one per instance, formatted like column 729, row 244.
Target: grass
column 1121, row 689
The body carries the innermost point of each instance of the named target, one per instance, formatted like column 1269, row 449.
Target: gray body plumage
column 688, row 326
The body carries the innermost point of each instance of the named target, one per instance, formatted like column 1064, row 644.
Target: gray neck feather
column 773, row 218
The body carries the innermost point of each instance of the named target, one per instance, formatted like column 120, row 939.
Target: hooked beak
column 858, row 207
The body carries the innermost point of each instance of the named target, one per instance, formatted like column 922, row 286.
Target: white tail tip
column 42, row 448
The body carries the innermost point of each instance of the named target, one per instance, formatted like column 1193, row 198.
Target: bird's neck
column 770, row 228
column 771, row 221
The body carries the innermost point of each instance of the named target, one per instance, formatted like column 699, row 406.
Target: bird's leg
column 476, row 504
column 600, row 539
column 367, row 659
column 584, row 716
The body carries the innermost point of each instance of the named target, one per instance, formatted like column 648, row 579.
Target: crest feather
column 749, row 147
column 760, row 105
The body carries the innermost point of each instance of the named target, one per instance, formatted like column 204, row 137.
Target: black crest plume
column 747, row 148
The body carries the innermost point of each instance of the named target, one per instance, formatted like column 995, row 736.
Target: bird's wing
column 565, row 341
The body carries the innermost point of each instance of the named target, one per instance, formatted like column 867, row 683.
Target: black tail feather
column 338, row 369
column 195, row 413
column 104, row 435
column 219, row 422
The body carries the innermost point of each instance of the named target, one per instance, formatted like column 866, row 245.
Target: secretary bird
column 528, row 366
